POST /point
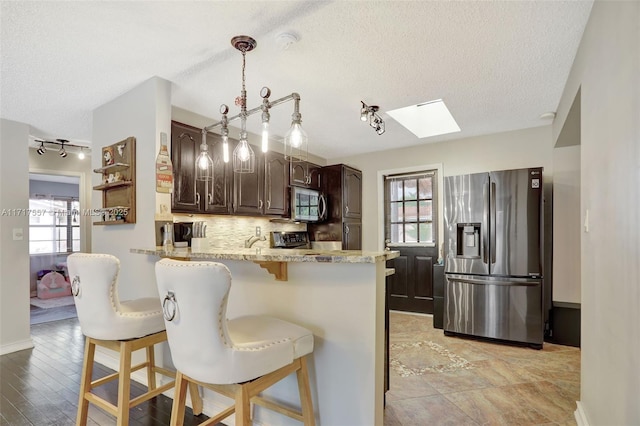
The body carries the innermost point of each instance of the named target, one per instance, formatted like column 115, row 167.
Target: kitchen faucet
column 252, row 240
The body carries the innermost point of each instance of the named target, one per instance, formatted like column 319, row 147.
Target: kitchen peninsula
column 339, row 295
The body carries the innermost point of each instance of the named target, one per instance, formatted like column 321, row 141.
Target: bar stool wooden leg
column 179, row 400
column 196, row 399
column 243, row 406
column 151, row 363
column 124, row 384
column 85, row 382
column 305, row 393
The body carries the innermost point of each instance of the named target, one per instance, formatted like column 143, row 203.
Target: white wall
column 509, row 150
column 143, row 112
column 566, row 224
column 607, row 71
column 14, row 255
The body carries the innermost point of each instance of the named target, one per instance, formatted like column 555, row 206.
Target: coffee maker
column 183, row 231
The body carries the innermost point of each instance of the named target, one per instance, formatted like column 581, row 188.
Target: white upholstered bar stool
column 123, row 326
column 238, row 358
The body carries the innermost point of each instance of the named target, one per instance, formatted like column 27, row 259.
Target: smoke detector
column 285, row 40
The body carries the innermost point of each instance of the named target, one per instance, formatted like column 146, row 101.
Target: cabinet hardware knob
column 210, row 198
column 268, row 204
column 346, row 229
column 346, row 209
column 260, row 204
column 197, row 198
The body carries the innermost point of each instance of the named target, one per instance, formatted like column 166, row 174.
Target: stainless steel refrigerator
column 494, row 255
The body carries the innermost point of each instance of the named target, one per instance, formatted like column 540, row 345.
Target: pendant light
column 296, row 140
column 243, row 156
column 244, row 160
column 204, row 163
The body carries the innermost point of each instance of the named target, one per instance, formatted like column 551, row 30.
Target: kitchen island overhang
column 340, row 296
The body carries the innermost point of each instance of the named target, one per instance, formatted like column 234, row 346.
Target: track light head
column 62, row 152
column 41, row 150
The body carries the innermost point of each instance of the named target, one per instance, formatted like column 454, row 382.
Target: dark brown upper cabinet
column 189, row 195
column 266, row 190
column 352, row 193
column 305, row 174
column 276, row 184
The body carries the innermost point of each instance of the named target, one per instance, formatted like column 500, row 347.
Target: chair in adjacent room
column 122, row 326
column 238, row 358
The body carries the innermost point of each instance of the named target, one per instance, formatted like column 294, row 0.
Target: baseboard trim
column 16, row 346
column 581, row 418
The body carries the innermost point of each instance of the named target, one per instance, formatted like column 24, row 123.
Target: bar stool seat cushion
column 253, row 328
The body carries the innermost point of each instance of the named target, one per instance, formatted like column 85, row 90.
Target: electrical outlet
column 258, row 231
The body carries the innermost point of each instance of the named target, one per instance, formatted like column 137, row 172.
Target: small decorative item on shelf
column 107, row 156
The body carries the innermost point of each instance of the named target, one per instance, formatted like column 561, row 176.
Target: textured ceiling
column 497, row 65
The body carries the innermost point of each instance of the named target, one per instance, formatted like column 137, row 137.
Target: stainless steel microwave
column 308, row 205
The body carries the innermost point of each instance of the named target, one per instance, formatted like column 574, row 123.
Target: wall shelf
column 118, row 187
column 112, row 185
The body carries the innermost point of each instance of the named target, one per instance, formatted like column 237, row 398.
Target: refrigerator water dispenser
column 468, row 240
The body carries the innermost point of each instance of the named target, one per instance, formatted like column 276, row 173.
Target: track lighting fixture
column 62, row 151
column 370, row 113
column 243, row 156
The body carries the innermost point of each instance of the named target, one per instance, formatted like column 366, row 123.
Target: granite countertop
column 275, row 255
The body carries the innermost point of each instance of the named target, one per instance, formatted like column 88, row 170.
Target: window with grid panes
column 54, row 226
column 410, row 205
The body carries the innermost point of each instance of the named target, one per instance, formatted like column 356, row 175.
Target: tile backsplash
column 232, row 231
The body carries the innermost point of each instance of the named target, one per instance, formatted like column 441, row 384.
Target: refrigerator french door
column 493, row 255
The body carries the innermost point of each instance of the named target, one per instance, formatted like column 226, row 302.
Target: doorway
column 54, row 232
column 411, row 227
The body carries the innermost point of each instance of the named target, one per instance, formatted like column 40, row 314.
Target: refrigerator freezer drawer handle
column 482, row 282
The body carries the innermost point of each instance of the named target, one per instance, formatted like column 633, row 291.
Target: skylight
column 427, row 119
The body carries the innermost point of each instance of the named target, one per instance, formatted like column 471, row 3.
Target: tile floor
column 440, row 380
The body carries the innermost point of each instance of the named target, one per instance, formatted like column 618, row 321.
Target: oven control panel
column 290, row 239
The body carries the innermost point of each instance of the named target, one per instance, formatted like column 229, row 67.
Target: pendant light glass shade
column 296, row 143
column 244, row 160
column 204, row 163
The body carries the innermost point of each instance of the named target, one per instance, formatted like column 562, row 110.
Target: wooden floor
column 40, row 386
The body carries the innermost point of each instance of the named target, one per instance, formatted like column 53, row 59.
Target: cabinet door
column 314, row 173
column 276, row 184
column 352, row 193
column 219, row 194
column 247, row 188
column 185, row 142
column 299, row 174
column 352, row 236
